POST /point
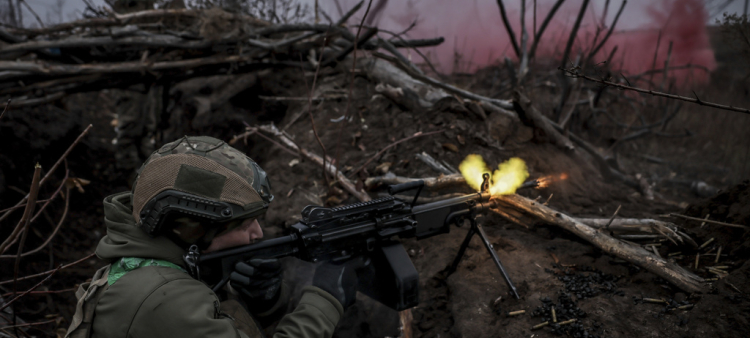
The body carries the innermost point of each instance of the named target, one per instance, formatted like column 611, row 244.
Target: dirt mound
column 731, row 206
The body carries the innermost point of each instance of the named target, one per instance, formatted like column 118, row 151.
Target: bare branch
column 574, row 32
column 512, row 34
column 545, row 23
column 54, row 167
column 609, row 32
column 50, row 271
column 574, row 73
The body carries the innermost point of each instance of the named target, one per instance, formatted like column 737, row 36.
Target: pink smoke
column 475, row 36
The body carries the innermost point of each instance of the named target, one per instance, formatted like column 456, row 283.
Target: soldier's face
column 244, row 234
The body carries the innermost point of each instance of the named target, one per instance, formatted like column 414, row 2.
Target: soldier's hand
column 259, row 280
column 340, row 280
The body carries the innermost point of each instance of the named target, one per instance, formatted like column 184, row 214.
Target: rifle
column 368, row 228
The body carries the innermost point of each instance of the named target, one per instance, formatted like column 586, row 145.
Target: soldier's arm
column 183, row 308
column 316, row 316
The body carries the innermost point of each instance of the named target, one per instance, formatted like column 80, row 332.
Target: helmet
column 201, row 178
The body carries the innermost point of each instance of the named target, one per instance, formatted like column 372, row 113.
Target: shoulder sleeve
column 182, row 308
column 316, row 316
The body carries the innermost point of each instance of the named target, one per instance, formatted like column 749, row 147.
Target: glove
column 339, row 280
column 259, row 281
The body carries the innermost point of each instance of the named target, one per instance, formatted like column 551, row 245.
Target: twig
column 27, row 212
column 309, row 112
column 351, row 85
column 49, row 271
column 22, row 206
column 28, row 324
column 609, row 32
column 11, row 240
column 574, row 32
column 696, row 100
column 666, row 65
column 391, row 146
column 39, row 20
column 512, row 34
column 54, row 232
column 54, row 167
column 656, row 53
column 52, row 272
column 48, row 292
column 710, row 221
column 538, row 35
column 7, row 104
column 33, row 193
column 524, row 44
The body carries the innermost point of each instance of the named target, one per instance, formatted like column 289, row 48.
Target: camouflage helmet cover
column 206, row 168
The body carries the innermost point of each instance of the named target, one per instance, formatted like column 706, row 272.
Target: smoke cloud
column 475, row 36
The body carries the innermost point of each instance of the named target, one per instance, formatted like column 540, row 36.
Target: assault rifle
column 368, row 229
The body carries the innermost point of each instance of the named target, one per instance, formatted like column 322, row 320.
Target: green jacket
column 159, row 301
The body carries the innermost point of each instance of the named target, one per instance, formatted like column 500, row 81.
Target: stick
column 696, row 100
column 508, row 28
column 54, row 167
column 405, row 319
column 609, row 32
column 54, row 232
column 41, row 292
column 671, row 272
column 345, row 183
column 33, row 194
column 574, row 32
column 39, row 20
column 52, row 272
column 27, row 213
column 309, row 112
column 49, row 271
column 7, row 104
column 524, row 40
column 418, row 134
column 351, row 88
column 710, row 221
column 538, row 36
column 28, row 324
column 613, row 217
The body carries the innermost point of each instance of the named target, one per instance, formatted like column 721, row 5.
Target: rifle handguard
column 395, row 189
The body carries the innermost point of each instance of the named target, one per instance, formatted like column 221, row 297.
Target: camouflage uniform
column 145, row 290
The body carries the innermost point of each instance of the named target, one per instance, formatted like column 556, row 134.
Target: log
column 444, row 86
column 380, row 71
column 430, row 182
column 345, row 183
column 670, row 272
column 533, row 118
column 646, row 225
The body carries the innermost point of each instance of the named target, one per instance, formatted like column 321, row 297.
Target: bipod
column 478, row 230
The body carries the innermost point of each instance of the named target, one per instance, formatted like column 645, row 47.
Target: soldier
column 145, row 290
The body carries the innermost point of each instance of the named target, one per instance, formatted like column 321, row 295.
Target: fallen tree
column 669, row 271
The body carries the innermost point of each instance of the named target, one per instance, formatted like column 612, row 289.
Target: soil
column 549, row 266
